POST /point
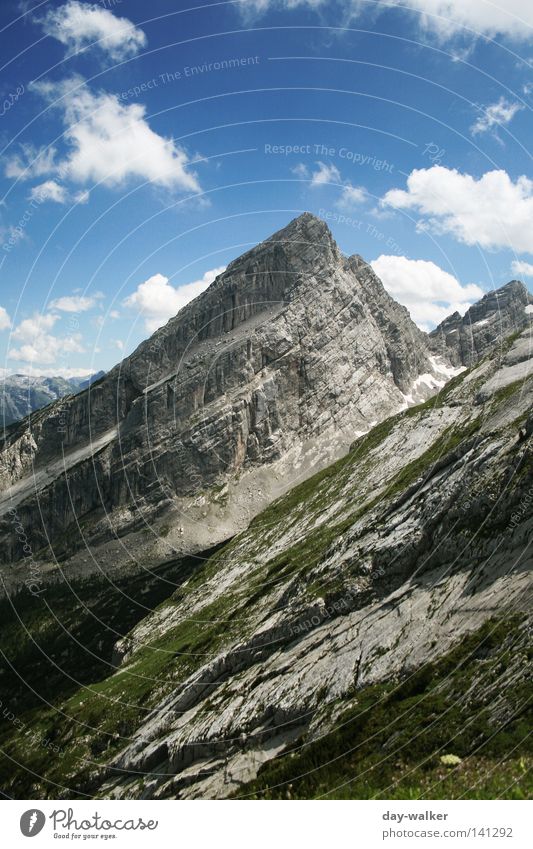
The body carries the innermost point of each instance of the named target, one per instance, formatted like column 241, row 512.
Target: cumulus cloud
column 89, row 25
column 5, row 321
column 493, row 210
column 111, row 142
column 429, row 293
column 50, row 190
column 157, row 300
column 522, row 269
column 496, row 115
column 322, row 175
column 38, row 344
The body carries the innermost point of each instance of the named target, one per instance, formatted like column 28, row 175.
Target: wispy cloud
column 91, row 26
column 446, row 19
column 522, row 269
column 327, row 174
column 496, row 115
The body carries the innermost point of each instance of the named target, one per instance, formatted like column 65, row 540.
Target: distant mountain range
column 21, row 394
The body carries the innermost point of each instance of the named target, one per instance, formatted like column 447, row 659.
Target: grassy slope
column 97, row 718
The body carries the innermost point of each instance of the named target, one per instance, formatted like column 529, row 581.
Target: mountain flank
column 264, row 379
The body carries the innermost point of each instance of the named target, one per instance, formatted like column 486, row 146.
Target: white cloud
column 496, row 115
column 75, row 303
column 258, row 7
column 325, row 174
column 49, row 190
column 351, row 195
column 31, row 162
column 118, row 343
column 522, row 269
column 111, row 142
column 486, row 17
column 37, row 344
column 80, row 25
column 81, row 197
column 445, row 18
column 301, row 171
column 5, row 321
column 429, row 293
column 492, row 210
column 157, row 300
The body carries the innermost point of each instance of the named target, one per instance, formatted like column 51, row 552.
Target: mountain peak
column 304, row 225
column 500, row 312
column 304, row 240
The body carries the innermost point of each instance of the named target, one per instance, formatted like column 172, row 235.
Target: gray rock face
column 463, row 340
column 267, row 376
column 288, row 355
column 360, row 577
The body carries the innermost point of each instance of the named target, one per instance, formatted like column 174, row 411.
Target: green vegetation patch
column 391, row 742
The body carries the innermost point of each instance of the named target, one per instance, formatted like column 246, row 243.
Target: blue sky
column 144, row 146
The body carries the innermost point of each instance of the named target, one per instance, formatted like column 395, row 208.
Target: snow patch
column 444, row 369
column 429, row 383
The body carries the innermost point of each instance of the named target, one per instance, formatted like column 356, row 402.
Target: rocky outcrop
column 463, row 340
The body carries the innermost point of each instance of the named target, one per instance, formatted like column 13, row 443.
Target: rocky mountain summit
column 264, row 378
column 291, row 532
